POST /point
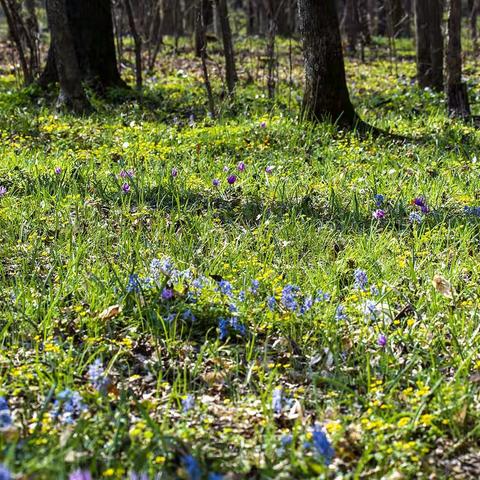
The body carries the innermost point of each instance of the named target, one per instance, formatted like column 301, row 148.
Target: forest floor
column 245, row 296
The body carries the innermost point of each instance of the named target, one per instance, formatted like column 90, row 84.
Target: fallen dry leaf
column 442, row 285
column 110, row 312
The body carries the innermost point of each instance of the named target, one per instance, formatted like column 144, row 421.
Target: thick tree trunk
column 72, row 96
column 422, row 43
column 92, row 29
column 429, row 43
column 326, row 95
column 457, row 96
column 230, row 69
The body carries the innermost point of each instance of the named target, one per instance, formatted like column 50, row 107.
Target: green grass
column 69, row 242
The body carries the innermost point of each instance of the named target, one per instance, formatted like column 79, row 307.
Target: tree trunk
column 72, row 96
column 436, row 42
column 137, row 39
column 429, row 43
column 230, row 70
column 457, row 96
column 351, row 25
column 475, row 8
column 326, row 95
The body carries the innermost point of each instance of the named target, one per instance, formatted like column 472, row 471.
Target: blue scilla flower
column 5, row 473
column 3, row 404
column 5, row 415
column 415, row 217
column 277, row 400
column 68, row 406
column 215, row 476
column 271, row 303
column 225, row 287
column 289, row 297
column 192, row 467
column 322, row 296
column 134, row 284
column 232, row 308
column 223, row 327
column 322, row 444
column 370, row 309
column 340, row 313
column 307, row 305
column 96, row 375
column 188, row 403
column 255, row 286
column 188, row 315
column 361, row 279
column 80, row 475
column 238, row 326
column 379, row 199
column 242, row 296
column 161, row 267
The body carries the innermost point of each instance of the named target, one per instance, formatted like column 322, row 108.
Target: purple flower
column 80, row 475
column 340, row 313
column 263, row 124
column 225, row 287
column 3, row 191
column 378, row 214
column 215, row 182
column 126, row 174
column 422, row 203
column 271, row 303
column 58, row 170
column 269, row 168
column 126, row 187
column 382, row 341
column 167, row 293
column 225, row 168
column 231, row 179
column 241, row 167
column 174, row 172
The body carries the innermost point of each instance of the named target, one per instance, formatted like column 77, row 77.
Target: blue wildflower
column 137, row 476
column 134, row 285
column 277, row 398
column 188, row 403
column 238, row 326
column 68, row 406
column 271, row 303
column 361, row 279
column 286, row 440
column 340, row 313
column 415, row 217
column 255, row 286
column 163, row 266
column 223, row 326
column 5, row 415
column 322, row 296
column 225, row 287
column 188, row 315
column 191, row 466
column 374, row 290
column 307, row 305
column 242, row 296
column 232, row 308
column 289, row 297
column 97, row 377
column 322, row 444
column 215, row 476
column 379, row 199
column 370, row 309
column 80, row 475
column 5, row 473
column 167, row 293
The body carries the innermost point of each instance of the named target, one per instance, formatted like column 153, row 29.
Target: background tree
column 72, row 96
column 326, row 95
column 457, row 96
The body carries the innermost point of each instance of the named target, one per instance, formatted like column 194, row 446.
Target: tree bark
column 457, row 96
column 230, row 69
column 326, row 95
column 137, row 39
column 72, row 96
column 436, row 42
